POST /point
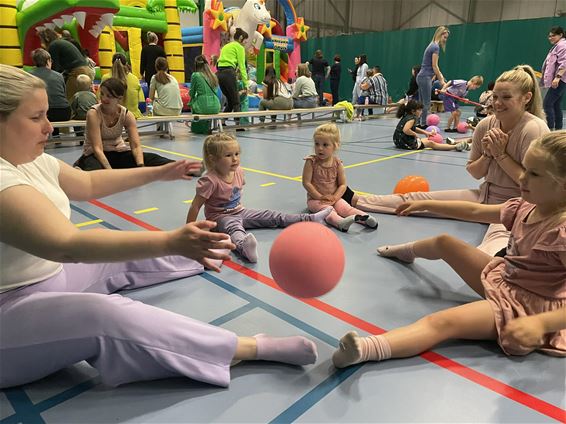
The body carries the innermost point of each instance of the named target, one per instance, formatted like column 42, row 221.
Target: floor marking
column 399, row 155
column 140, row 211
column 266, row 184
column 487, row 382
column 188, row 201
column 84, row 224
column 286, row 177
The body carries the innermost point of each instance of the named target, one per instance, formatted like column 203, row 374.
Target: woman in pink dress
column 524, row 305
column 499, row 145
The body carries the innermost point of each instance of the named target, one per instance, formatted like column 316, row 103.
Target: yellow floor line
column 266, row 184
column 140, row 211
column 84, row 224
column 188, row 201
column 171, row 152
column 286, row 177
column 412, row 152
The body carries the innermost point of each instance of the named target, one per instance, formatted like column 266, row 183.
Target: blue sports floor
column 459, row 381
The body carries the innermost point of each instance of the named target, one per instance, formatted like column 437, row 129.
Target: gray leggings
column 425, row 91
column 235, row 225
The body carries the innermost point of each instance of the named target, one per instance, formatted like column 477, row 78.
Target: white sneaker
column 462, row 146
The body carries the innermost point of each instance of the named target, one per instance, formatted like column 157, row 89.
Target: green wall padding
column 486, row 49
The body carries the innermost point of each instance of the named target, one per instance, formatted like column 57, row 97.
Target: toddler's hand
column 525, row 331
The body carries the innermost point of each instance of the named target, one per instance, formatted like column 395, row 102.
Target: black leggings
column 229, row 86
column 120, row 160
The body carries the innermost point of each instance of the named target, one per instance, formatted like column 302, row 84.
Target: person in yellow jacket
column 134, row 92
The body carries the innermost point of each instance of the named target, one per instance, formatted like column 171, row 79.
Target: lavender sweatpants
column 495, row 238
column 236, row 224
column 70, row 317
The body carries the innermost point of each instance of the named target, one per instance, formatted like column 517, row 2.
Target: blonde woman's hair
column 523, row 76
column 477, row 79
column 303, row 70
column 214, row 146
column 15, row 85
column 553, row 145
column 436, row 38
column 331, row 131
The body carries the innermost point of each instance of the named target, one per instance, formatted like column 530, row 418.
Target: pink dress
column 531, row 279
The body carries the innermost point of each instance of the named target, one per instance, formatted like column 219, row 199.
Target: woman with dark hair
column 361, row 71
column 320, row 71
column 104, row 147
column 66, row 59
column 134, row 93
column 232, row 56
column 204, row 100
column 335, row 72
column 277, row 94
column 168, row 100
column 554, row 78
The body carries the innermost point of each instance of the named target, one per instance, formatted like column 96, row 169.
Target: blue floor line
column 310, row 399
column 24, row 409
column 307, row 328
column 93, row 217
column 233, row 315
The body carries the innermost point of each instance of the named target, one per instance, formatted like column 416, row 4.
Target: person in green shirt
column 232, row 56
column 203, row 95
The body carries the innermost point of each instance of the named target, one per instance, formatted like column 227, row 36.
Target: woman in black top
column 320, row 70
column 149, row 55
column 335, row 71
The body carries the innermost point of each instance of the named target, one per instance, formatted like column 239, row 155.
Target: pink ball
column 433, row 127
column 462, row 127
column 307, row 260
column 432, row 119
column 437, row 138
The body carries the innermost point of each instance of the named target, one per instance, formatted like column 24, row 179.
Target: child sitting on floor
column 220, row 191
column 524, row 305
column 325, row 182
column 406, row 135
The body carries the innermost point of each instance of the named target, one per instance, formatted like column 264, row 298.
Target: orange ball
column 307, row 260
column 411, row 184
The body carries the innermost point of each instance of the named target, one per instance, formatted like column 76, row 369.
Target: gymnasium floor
column 457, row 382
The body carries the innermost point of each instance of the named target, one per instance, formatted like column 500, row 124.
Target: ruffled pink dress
column 531, row 278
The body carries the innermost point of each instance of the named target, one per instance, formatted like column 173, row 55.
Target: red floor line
column 470, row 374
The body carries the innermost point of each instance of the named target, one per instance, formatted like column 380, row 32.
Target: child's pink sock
column 403, row 252
column 354, row 349
column 295, row 350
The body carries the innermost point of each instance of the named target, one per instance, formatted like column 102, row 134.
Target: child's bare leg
column 450, row 120
column 458, row 118
column 463, row 258
column 437, row 146
column 474, row 321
